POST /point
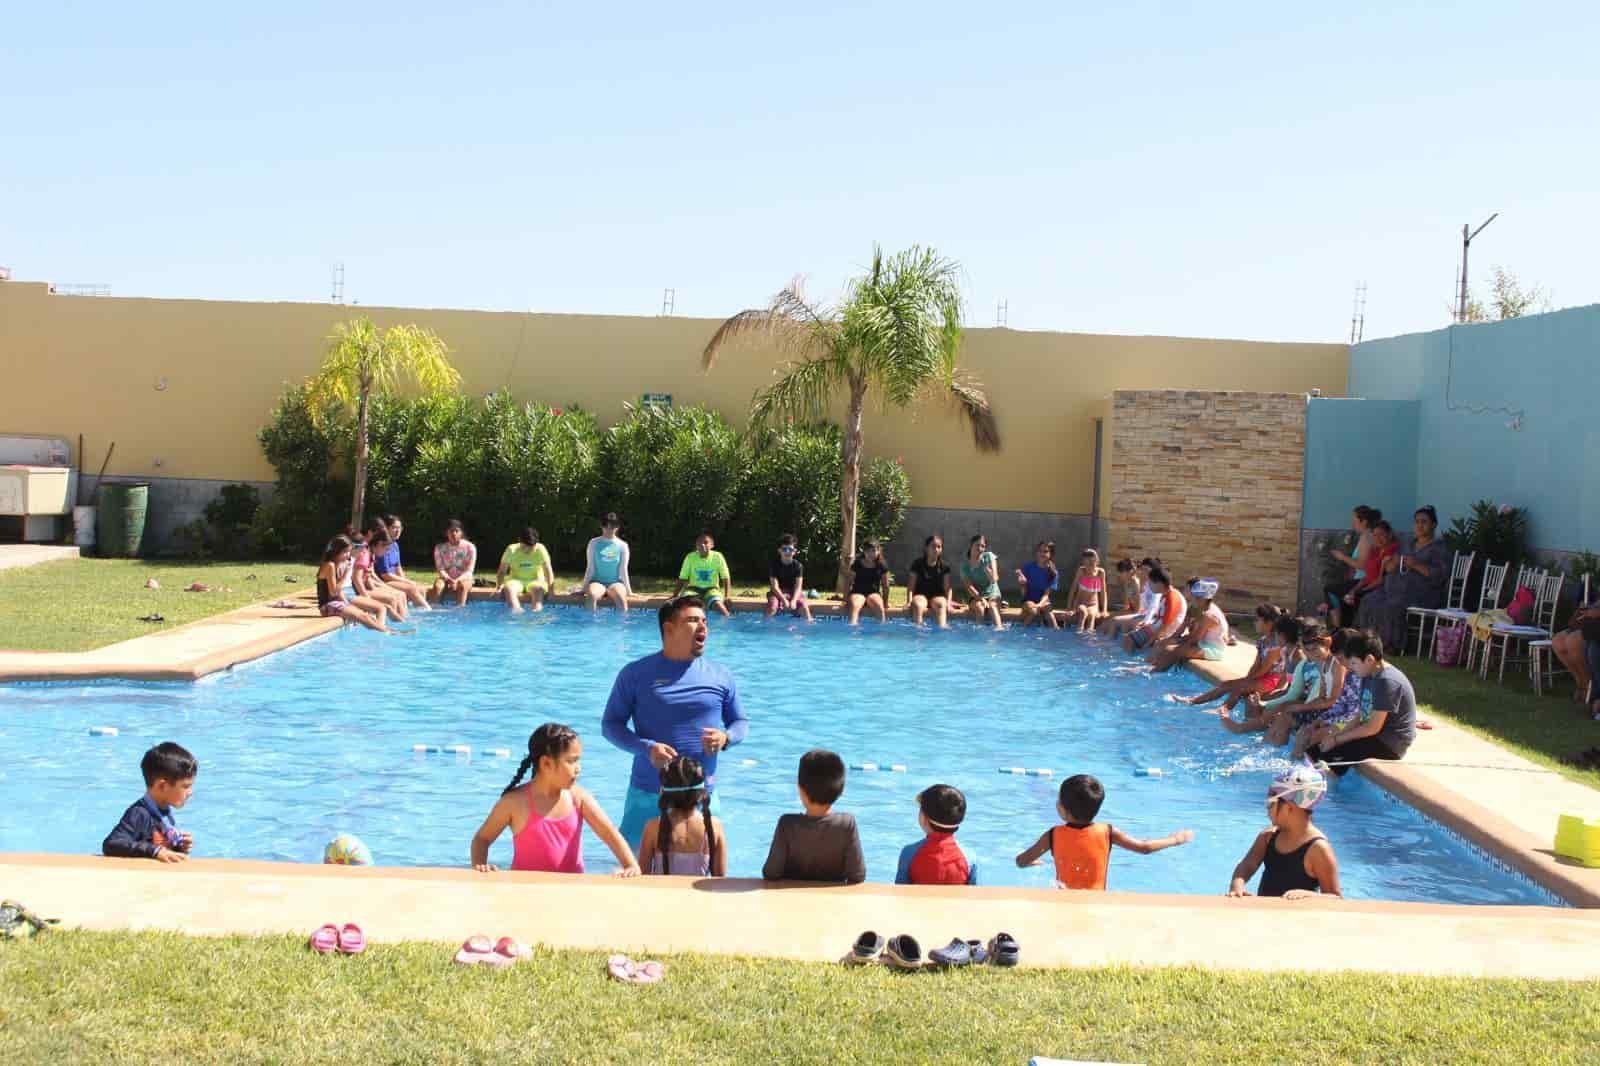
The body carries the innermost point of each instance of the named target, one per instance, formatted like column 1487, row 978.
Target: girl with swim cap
column 1299, row 860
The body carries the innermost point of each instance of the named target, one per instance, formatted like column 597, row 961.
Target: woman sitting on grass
column 330, row 585
column 930, row 583
column 869, row 583
column 1208, row 630
column 453, row 561
column 980, row 577
column 1086, row 603
column 525, row 568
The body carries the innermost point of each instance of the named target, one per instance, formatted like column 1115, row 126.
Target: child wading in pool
column 686, row 840
column 1208, row 631
column 546, row 817
column 869, row 583
column 1273, row 665
column 525, row 569
column 1038, row 579
column 822, row 844
column 937, row 859
column 1081, row 848
column 705, row 574
column 605, row 574
column 786, row 580
column 453, row 561
column 980, row 578
column 1299, row 860
column 148, row 829
column 1087, row 602
column 330, row 587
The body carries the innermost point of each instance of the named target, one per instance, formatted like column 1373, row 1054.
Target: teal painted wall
column 1360, row 452
column 1505, row 411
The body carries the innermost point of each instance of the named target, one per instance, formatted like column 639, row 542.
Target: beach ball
column 346, row 849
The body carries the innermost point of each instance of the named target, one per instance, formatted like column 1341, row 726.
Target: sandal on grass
column 325, row 940
column 512, row 949
column 352, row 941
column 17, row 921
column 867, row 948
column 477, row 951
column 629, row 972
column 151, row 618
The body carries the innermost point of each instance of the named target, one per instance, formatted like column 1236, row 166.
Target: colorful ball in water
column 346, row 849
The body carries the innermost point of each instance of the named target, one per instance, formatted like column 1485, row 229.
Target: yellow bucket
column 1578, row 838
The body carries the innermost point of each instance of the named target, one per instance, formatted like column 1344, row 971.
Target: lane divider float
column 102, row 731
column 872, row 767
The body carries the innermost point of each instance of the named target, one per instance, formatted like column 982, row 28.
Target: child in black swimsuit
column 1298, row 859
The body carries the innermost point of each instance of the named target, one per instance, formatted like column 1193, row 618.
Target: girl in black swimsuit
column 930, row 583
column 1298, row 859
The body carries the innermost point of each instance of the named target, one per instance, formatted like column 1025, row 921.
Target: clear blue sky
column 1221, row 171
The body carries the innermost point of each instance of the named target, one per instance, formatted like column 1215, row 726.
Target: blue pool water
column 318, row 740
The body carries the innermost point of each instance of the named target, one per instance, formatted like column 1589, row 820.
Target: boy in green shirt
column 705, row 574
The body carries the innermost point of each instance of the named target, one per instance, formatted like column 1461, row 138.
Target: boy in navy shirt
column 937, row 859
column 147, row 829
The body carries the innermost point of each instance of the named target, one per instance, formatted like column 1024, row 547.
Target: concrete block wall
column 1212, row 482
column 1011, row 536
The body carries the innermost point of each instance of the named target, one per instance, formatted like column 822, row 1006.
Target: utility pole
column 669, row 301
column 1002, row 310
column 337, row 295
column 1358, row 313
column 1467, row 233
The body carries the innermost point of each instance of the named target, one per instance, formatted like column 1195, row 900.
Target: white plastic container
column 83, row 526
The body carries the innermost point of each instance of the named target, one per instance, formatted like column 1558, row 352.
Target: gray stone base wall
column 1011, row 536
column 175, row 502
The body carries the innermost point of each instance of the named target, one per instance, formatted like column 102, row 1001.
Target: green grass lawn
column 148, row 997
column 78, row 604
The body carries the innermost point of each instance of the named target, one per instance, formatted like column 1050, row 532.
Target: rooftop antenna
column 1467, row 233
column 338, row 284
column 669, row 300
column 1002, row 311
column 1358, row 313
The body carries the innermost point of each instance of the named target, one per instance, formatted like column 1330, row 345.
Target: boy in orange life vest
column 1082, row 847
column 937, row 859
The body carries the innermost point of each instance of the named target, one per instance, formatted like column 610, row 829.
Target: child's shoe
column 868, row 947
column 1004, row 950
column 956, row 953
column 903, row 952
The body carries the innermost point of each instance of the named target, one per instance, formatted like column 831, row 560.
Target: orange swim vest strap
column 1082, row 854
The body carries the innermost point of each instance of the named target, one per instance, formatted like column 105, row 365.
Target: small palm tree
column 364, row 360
column 896, row 331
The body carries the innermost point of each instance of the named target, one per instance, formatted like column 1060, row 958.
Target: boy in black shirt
column 818, row 845
column 147, row 829
column 786, row 580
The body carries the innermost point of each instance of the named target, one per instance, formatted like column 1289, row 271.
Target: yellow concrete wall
column 95, row 366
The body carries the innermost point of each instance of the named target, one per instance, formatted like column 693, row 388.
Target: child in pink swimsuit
column 547, row 815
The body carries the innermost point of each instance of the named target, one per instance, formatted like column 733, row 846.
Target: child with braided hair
column 677, row 842
column 546, row 817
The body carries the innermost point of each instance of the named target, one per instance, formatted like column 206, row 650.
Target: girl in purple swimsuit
column 678, row 842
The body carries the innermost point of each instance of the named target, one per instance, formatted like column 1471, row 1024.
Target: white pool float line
column 102, row 731
column 872, row 767
column 749, row 762
column 458, row 749
column 1023, row 771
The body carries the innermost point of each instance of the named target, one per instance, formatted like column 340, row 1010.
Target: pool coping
column 209, row 645
column 811, row 923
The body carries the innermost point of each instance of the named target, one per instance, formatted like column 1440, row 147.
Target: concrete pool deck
column 806, row 922
column 1444, row 770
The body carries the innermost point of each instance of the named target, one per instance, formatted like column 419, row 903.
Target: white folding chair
column 1541, row 628
column 1494, row 576
column 1544, row 665
column 1455, row 593
column 1528, row 577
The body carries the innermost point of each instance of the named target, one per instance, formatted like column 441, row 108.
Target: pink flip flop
column 477, row 951
column 510, row 948
column 648, row 973
column 325, row 941
column 629, row 972
column 352, row 941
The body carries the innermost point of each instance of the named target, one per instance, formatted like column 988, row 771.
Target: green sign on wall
column 663, row 400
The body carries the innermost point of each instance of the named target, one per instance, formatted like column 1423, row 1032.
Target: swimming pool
column 318, row 740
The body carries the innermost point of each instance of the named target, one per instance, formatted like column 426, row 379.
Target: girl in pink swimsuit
column 1087, row 602
column 546, row 816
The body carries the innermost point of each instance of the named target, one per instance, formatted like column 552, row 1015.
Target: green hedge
column 499, row 465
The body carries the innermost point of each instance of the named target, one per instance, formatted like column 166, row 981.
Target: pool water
column 317, row 740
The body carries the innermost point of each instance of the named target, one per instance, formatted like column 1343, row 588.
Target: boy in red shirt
column 937, row 859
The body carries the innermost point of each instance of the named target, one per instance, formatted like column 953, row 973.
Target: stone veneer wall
column 1212, row 483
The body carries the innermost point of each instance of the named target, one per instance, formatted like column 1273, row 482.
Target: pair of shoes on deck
column 904, row 953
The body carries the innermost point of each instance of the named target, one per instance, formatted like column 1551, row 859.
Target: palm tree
column 896, row 331
column 364, row 360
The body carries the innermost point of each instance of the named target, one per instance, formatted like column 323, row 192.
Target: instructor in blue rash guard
column 678, row 704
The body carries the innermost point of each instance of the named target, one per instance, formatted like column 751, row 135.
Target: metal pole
column 1466, row 243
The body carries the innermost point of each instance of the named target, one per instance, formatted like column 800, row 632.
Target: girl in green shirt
column 525, row 570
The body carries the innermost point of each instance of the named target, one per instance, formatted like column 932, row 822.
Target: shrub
column 1498, row 534
column 310, row 500
column 885, row 497
column 669, row 474
column 792, row 487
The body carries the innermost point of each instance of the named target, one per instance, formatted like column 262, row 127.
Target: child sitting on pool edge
column 147, row 829
column 1299, row 860
column 705, row 573
column 1082, row 847
column 937, row 859
column 821, row 844
column 546, row 818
